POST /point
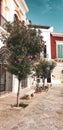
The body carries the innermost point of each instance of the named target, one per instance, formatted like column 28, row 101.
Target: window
column 59, row 49
column 15, row 18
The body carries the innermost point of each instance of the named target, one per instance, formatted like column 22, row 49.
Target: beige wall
column 11, row 7
column 57, row 75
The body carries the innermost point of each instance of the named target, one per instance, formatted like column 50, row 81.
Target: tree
column 24, row 45
column 44, row 68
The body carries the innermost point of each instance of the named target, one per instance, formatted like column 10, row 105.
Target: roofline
column 22, row 3
column 57, row 34
column 26, row 6
column 39, row 26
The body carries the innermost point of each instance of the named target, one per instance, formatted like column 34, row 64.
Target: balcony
column 3, row 21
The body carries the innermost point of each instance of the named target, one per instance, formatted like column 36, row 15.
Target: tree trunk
column 18, row 93
column 43, row 82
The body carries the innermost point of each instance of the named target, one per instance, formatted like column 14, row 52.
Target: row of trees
column 24, row 46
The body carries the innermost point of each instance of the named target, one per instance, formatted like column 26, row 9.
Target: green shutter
column 60, row 51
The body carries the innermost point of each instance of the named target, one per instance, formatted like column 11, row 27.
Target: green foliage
column 24, row 45
column 44, row 68
column 41, row 69
column 20, row 68
column 23, row 105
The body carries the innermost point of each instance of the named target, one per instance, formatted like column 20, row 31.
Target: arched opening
column 15, row 18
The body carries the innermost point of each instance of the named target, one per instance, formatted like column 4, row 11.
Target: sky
column 46, row 12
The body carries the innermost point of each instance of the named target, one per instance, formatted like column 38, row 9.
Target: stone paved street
column 44, row 112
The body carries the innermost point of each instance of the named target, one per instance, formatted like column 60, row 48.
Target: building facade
column 56, row 45
column 45, row 32
column 53, row 50
column 16, row 10
column 56, row 40
column 10, row 10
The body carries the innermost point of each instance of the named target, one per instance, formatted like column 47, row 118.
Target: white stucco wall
column 46, row 38
column 1, row 42
column 15, row 84
column 29, row 81
column 7, row 9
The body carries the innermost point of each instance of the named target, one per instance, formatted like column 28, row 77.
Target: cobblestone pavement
column 44, row 112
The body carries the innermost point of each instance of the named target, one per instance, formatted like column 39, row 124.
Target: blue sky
column 46, row 12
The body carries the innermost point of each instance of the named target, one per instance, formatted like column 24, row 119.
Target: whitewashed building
column 45, row 32
column 10, row 10
column 53, row 50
